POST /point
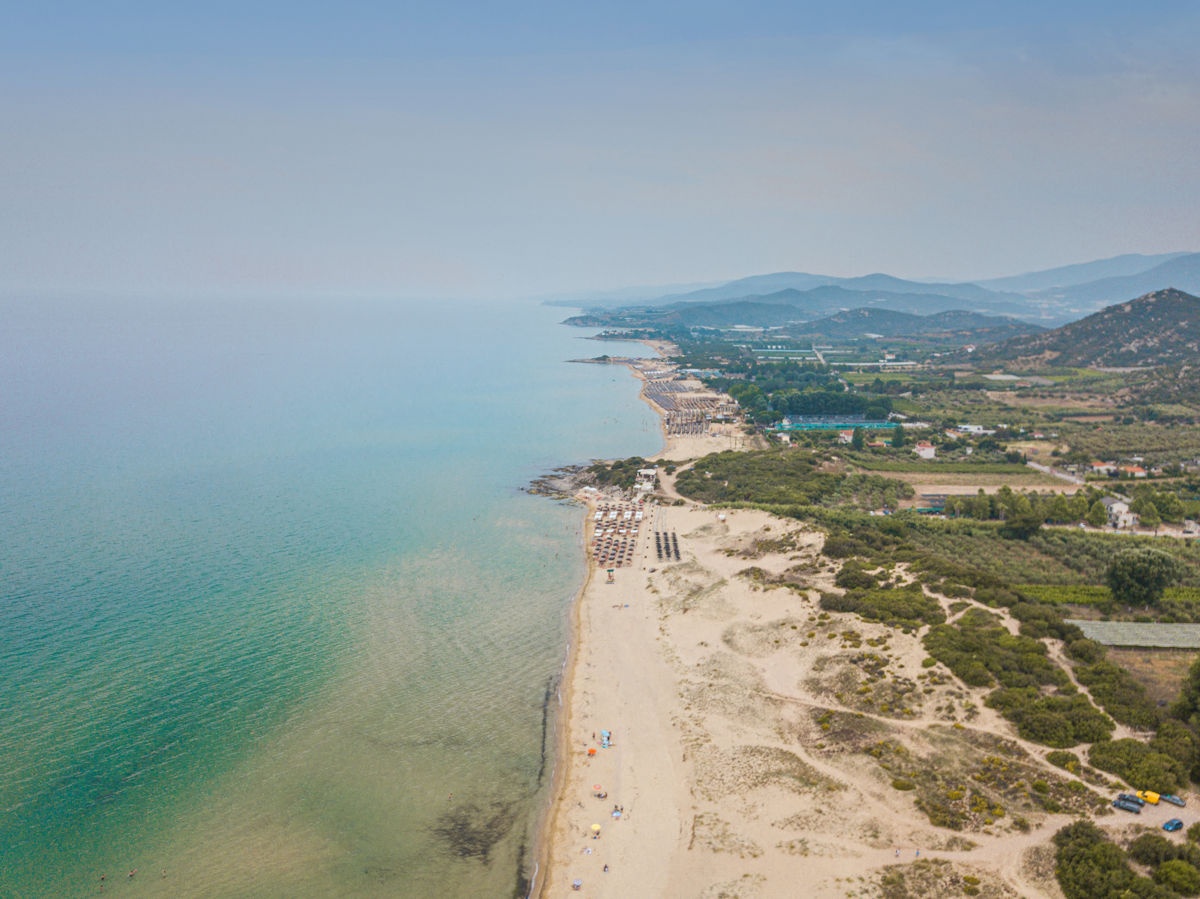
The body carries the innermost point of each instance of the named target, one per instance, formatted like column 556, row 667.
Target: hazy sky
column 450, row 149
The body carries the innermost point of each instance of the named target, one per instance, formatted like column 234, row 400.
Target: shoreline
column 551, row 824
column 559, row 777
column 548, row 819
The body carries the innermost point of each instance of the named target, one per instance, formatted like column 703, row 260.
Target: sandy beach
column 758, row 746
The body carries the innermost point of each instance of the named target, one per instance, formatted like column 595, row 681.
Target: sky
column 447, row 149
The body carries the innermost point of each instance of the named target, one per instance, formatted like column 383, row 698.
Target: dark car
column 1129, row 797
column 1126, row 805
column 1173, row 825
column 1174, row 800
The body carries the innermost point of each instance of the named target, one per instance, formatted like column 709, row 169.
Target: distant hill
column 762, row 285
column 725, row 315
column 743, row 288
column 1181, row 273
column 972, row 326
column 1160, row 328
column 972, row 292
column 821, row 301
column 1079, row 273
column 982, row 329
column 766, row 310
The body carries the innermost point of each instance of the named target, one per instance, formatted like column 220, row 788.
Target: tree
column 1021, row 525
column 1137, row 577
column 857, row 439
column 1097, row 516
column 897, row 436
column 1021, row 521
column 1150, row 517
column 1169, row 506
column 1059, row 509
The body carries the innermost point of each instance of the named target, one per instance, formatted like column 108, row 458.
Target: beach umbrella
column 595, row 828
column 596, row 787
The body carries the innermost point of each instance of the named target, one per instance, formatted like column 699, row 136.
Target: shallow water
column 271, row 594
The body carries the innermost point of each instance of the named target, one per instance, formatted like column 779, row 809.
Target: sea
column 277, row 618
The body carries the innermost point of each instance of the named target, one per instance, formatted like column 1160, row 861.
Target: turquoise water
column 270, row 593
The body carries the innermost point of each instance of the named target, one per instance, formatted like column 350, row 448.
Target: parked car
column 1149, row 795
column 1173, row 825
column 1127, row 806
column 1174, row 800
column 1129, row 797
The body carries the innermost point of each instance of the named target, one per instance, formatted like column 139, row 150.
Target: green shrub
column 1060, row 758
column 1151, row 849
column 980, row 651
column 997, row 596
column 842, row 546
column 1138, row 765
column 1180, row 742
column 1059, row 721
column 1122, row 696
column 1088, row 865
column 853, row 577
column 1179, row 876
column 1038, row 620
column 1084, row 650
column 907, row 606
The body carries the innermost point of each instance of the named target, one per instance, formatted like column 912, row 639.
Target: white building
column 1119, row 515
column 646, row 479
column 925, row 449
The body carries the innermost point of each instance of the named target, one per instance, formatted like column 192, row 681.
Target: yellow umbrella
column 595, row 828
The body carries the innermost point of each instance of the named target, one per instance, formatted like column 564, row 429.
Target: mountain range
column 1081, row 273
column 1050, row 296
column 1181, row 272
column 760, row 285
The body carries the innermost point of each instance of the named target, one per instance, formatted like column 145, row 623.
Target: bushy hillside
column 1160, row 328
column 972, row 326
